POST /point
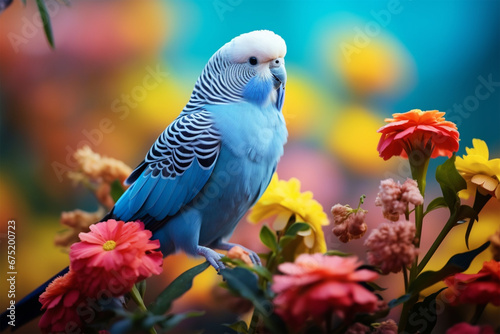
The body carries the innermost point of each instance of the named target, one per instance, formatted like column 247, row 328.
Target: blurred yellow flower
column 479, row 172
column 283, row 199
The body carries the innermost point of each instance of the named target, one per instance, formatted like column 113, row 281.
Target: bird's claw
column 212, row 257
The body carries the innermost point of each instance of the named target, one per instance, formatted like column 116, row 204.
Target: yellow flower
column 479, row 172
column 282, row 200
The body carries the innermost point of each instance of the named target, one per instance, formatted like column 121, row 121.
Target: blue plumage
column 216, row 159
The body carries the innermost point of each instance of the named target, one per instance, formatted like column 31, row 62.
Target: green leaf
column 259, row 270
column 337, row 253
column 436, row 203
column 141, row 287
column 465, row 211
column 244, row 283
column 239, row 327
column 268, row 238
column 291, row 233
column 451, row 183
column 423, row 315
column 374, row 286
column 173, row 320
column 456, row 264
column 44, row 14
column 116, row 190
column 177, row 288
column 296, row 228
column 479, row 202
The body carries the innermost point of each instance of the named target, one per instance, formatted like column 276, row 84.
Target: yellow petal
column 479, row 148
column 309, row 240
column 281, row 221
column 305, row 233
column 485, row 182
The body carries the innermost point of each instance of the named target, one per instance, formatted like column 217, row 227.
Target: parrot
column 213, row 162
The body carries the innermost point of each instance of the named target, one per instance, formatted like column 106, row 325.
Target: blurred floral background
column 121, row 71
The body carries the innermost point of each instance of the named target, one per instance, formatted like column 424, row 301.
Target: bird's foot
column 212, row 257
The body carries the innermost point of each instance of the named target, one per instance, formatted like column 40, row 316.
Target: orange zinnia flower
column 425, row 131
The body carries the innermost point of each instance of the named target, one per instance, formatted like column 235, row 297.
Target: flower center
column 109, row 245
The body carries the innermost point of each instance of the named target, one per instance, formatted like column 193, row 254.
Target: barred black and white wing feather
column 174, row 171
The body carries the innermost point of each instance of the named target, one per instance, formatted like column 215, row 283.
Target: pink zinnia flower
column 465, row 328
column 480, row 288
column 394, row 197
column 391, row 247
column 416, row 130
column 317, row 285
column 60, row 301
column 113, row 256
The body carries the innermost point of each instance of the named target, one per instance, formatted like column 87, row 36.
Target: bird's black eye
column 252, row 60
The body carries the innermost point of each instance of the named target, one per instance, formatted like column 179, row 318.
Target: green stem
column 418, row 173
column 254, row 322
column 405, row 278
column 435, row 245
column 136, row 297
column 477, row 313
column 419, row 165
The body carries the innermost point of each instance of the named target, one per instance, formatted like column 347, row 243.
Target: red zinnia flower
column 317, row 285
column 60, row 301
column 426, row 131
column 113, row 256
column 480, row 288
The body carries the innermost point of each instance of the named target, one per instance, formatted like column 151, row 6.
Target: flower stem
column 419, row 164
column 136, row 297
column 477, row 313
column 435, row 245
column 405, row 278
column 252, row 329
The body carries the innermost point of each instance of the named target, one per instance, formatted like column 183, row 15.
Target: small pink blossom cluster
column 391, row 246
column 394, row 197
column 349, row 223
column 108, row 260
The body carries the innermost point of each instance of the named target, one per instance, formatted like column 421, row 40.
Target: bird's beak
column 278, row 71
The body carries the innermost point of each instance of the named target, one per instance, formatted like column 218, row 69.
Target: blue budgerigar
column 214, row 161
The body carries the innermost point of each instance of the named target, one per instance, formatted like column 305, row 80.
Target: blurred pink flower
column 317, row 285
column 113, row 256
column 416, row 130
column 394, row 197
column 386, row 327
column 480, row 288
column 390, row 246
column 465, row 328
column 60, row 301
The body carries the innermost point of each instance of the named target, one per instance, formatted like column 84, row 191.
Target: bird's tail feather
column 27, row 308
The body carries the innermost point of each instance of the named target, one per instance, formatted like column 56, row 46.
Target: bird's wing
column 174, row 171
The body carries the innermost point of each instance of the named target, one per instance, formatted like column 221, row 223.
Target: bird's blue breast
column 252, row 143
